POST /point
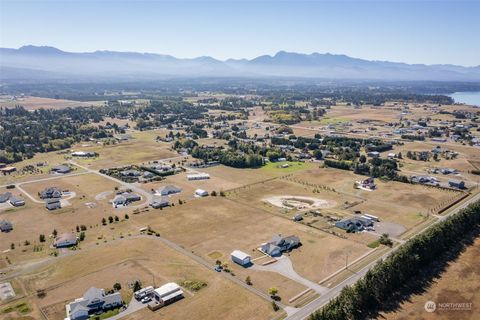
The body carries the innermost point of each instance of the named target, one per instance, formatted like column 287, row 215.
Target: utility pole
column 346, row 261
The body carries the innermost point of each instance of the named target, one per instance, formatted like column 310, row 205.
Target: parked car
column 146, row 299
column 218, row 269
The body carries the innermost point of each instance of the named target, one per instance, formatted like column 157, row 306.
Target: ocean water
column 472, row 98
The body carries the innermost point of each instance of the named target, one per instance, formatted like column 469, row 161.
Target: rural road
column 308, row 309
column 146, row 195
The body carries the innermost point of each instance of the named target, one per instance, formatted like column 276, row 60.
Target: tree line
column 406, row 270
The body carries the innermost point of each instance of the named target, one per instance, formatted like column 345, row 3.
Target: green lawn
column 106, row 315
column 292, row 166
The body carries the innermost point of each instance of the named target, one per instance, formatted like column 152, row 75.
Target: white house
column 93, row 300
column 201, row 193
column 241, row 258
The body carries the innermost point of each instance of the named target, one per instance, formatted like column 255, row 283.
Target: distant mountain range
column 49, row 63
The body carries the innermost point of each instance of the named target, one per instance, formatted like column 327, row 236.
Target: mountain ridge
column 282, row 64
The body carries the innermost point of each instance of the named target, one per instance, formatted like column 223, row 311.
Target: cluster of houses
column 93, row 301
column 164, row 192
column 15, row 201
column 432, row 181
column 52, row 196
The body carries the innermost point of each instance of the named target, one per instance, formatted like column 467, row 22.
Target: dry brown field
column 149, row 261
column 222, row 225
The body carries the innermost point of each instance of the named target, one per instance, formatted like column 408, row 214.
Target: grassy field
column 35, row 103
column 292, row 166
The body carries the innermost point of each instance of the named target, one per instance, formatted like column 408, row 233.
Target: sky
column 421, row 31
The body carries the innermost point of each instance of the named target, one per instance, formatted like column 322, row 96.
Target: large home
column 5, row 196
column 65, row 240
column 425, row 180
column 280, row 244
column 354, row 224
column 158, row 203
column 50, row 193
column 168, row 190
column 16, row 201
column 5, row 226
column 53, row 204
column 62, row 169
column 94, row 300
column 165, row 295
column 368, row 183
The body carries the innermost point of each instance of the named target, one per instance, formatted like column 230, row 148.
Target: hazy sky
column 397, row 30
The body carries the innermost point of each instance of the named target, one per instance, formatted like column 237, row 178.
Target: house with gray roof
column 53, row 204
column 354, row 224
column 50, row 193
column 62, row 169
column 6, row 226
column 168, row 190
column 280, row 244
column 16, row 201
column 160, row 203
column 93, row 301
column 5, row 196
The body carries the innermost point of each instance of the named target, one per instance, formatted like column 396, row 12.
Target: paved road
column 308, row 309
column 146, row 195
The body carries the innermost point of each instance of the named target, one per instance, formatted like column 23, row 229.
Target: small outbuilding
column 456, row 184
column 241, row 258
column 201, row 193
